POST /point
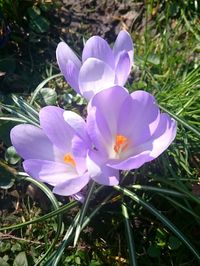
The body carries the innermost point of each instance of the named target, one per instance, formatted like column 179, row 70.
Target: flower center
column 121, row 144
column 69, row 160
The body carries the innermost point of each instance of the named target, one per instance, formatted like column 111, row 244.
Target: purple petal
column 81, row 141
column 151, row 149
column 95, row 75
column 52, row 173
column 72, row 186
column 79, row 151
column 133, row 162
column 163, row 136
column 97, row 124
column 122, row 69
column 100, row 172
column 108, row 104
column 55, row 127
column 123, row 43
column 139, row 117
column 69, row 64
column 77, row 123
column 79, row 197
column 71, row 73
column 31, row 143
column 98, row 48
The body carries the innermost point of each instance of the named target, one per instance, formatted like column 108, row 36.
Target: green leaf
column 153, row 59
column 4, row 247
column 83, row 212
column 129, row 236
column 34, row 12
column 78, row 260
column 11, row 155
column 41, row 85
column 153, row 251
column 16, row 247
column 174, row 243
column 95, row 263
column 3, row 262
column 47, row 96
column 21, row 259
column 39, row 24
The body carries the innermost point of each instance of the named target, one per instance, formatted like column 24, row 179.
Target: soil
column 73, row 21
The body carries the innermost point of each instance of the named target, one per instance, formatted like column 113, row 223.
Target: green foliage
column 21, row 259
column 11, row 155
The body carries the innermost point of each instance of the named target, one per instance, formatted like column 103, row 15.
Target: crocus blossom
column 101, row 67
column 51, row 152
column 127, row 130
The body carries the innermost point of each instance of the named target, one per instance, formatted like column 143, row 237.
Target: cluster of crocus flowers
column 101, row 67
column 122, row 131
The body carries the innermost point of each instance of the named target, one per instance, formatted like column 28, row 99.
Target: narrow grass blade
column 181, row 189
column 158, row 190
column 184, row 123
column 55, row 205
column 160, row 217
column 179, row 205
column 129, row 236
column 19, row 114
column 83, row 212
column 55, row 258
column 13, row 119
column 26, row 107
column 41, row 85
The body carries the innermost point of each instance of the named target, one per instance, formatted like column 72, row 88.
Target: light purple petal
column 52, row 173
column 122, row 69
column 163, row 136
column 95, row 75
column 98, row 130
column 151, row 149
column 77, row 123
column 108, row 105
column 133, row 162
column 123, row 43
column 79, row 197
column 55, row 127
column 139, row 117
column 98, row 48
column 65, row 53
column 80, row 142
column 71, row 73
column 100, row 172
column 79, row 151
column 31, row 143
column 69, row 64
column 72, row 186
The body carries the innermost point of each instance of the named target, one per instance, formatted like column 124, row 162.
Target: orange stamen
column 121, row 144
column 69, row 160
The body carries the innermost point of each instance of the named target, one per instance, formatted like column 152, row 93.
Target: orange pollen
column 69, row 160
column 121, row 144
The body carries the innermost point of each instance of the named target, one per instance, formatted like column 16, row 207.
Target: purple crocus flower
column 127, row 130
column 49, row 152
column 101, row 66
